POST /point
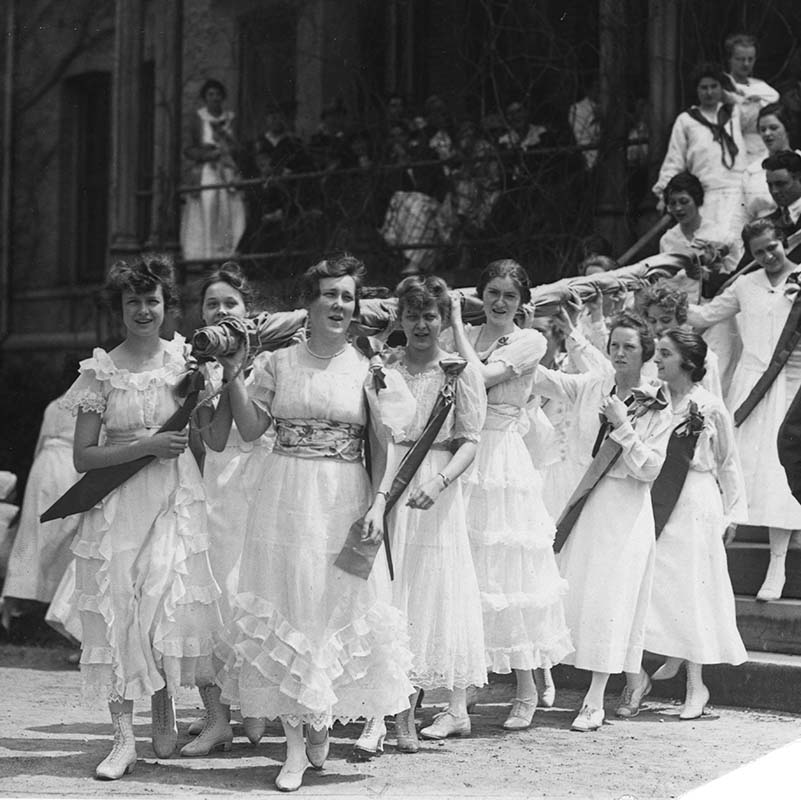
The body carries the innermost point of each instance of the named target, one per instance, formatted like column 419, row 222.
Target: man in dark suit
column 783, row 175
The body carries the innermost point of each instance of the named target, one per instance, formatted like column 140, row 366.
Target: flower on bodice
column 693, row 423
column 792, row 285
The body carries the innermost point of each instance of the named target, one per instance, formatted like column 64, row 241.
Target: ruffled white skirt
column 511, row 538
column 435, row 585
column 144, row 588
column 692, row 614
column 310, row 642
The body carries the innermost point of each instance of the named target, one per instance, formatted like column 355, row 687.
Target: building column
column 168, row 52
column 128, row 43
column 662, row 65
column 610, row 212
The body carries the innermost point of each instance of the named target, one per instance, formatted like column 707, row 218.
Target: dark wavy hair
column 337, row 266
column 673, row 300
column 142, row 274
column 692, row 349
column 211, row 83
column 421, row 291
column 782, row 113
column 784, row 159
column 708, row 69
column 684, row 182
column 231, row 273
column 506, row 268
column 628, row 319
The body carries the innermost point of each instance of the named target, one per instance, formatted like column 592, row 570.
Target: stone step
column 748, row 563
column 765, row 680
column 770, row 627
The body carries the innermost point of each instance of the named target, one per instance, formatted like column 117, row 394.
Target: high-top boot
column 774, row 579
column 216, row 733
column 697, row 694
column 122, row 758
column 163, row 727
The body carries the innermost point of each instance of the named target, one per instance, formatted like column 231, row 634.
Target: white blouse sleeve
column 261, row 389
column 675, row 158
column 523, row 353
column 559, row 385
column 725, row 305
column 470, row 407
column 644, row 447
column 729, row 473
column 87, row 393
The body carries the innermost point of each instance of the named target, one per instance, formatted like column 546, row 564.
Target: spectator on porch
column 707, row 140
column 749, row 93
column 213, row 219
column 584, row 118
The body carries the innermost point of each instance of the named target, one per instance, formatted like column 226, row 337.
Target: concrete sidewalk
column 50, row 744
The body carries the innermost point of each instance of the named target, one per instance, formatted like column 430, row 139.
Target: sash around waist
column 129, row 437
column 318, row 438
column 505, row 416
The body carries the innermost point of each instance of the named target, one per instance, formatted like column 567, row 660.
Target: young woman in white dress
column 312, row 644
column 145, row 592
column 435, row 581
column 229, row 470
column 511, row 532
column 761, row 302
column 692, row 616
column 608, row 558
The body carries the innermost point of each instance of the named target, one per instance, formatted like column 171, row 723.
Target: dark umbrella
column 97, row 483
column 357, row 556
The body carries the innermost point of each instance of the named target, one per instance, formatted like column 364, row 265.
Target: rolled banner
column 97, row 483
column 357, row 556
column 271, row 331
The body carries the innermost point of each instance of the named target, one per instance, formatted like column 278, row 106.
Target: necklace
column 324, row 358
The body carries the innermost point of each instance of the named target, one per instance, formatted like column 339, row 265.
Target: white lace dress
column 311, row 642
column 435, row 580
column 692, row 614
column 144, row 588
column 511, row 532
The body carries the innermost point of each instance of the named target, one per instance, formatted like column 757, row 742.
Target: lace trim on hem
column 313, row 673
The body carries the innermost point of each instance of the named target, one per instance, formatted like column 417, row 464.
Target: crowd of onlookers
column 416, row 178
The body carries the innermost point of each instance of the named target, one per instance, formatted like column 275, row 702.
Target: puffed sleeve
column 522, row 353
column 261, row 388
column 645, row 445
column 729, row 472
column 470, row 408
column 725, row 305
column 88, row 393
column 675, row 157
